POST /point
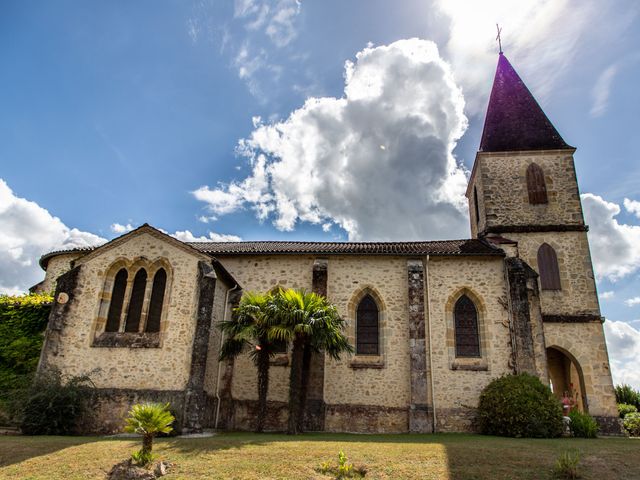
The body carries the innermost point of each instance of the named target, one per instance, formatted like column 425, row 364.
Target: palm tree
column 251, row 324
column 313, row 325
column 148, row 419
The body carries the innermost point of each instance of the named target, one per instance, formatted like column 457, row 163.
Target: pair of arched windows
column 467, row 336
column 548, row 268
column 138, row 292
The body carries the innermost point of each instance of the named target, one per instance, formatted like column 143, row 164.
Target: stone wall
column 163, row 368
column 578, row 295
column 458, row 382
column 585, row 344
column 504, row 189
column 261, row 274
column 56, row 266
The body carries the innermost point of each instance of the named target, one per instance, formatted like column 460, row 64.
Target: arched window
column 466, row 328
column 117, row 299
column 548, row 268
column 536, row 185
column 157, row 298
column 367, row 328
column 137, row 300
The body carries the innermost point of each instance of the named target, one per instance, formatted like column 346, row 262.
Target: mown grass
column 270, row 456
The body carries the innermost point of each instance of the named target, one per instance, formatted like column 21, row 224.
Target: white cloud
column 615, row 247
column 623, row 343
column 27, row 231
column 275, row 19
column 120, row 229
column 606, row 295
column 601, row 91
column 187, row 236
column 535, row 32
column 632, row 206
column 324, row 162
column 630, row 302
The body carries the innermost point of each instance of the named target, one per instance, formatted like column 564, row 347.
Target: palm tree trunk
column 263, row 385
column 147, row 443
column 304, row 388
column 295, row 384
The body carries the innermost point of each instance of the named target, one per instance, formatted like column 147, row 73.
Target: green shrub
column 625, row 408
column 626, row 394
column 583, row 425
column 631, row 424
column 343, row 470
column 23, row 320
column 148, row 420
column 53, row 406
column 519, row 406
column 567, row 465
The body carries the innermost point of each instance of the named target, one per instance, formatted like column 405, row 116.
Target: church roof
column 464, row 247
column 436, row 247
column 515, row 121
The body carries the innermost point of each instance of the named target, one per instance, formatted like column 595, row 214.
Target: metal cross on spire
column 498, row 38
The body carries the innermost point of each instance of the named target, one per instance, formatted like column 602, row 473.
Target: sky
column 284, row 119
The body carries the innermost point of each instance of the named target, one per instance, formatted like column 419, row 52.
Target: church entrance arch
column 565, row 377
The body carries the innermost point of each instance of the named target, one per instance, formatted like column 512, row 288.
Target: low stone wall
column 366, row 419
column 456, row 420
column 109, row 407
column 610, row 426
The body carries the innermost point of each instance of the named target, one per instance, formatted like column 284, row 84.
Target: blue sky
column 115, row 113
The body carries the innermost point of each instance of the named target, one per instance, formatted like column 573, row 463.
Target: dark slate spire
column 514, row 120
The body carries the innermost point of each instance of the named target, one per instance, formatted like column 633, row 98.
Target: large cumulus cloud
column 26, row 232
column 623, row 341
column 377, row 162
column 615, row 246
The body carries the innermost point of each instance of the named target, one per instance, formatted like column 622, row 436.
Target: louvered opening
column 548, row 268
column 536, row 185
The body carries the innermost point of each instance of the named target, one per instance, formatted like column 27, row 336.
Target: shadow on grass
column 18, row 448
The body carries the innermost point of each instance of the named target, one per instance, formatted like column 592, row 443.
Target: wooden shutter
column 117, row 299
column 466, row 328
column 548, row 268
column 367, row 330
column 157, row 299
column 137, row 299
column 536, row 185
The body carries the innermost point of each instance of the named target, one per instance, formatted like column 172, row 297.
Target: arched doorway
column 565, row 376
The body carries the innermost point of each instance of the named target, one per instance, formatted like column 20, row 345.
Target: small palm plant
column 148, row 420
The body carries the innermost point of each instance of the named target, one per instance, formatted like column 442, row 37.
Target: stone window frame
column 480, row 363
column 141, row 338
column 367, row 361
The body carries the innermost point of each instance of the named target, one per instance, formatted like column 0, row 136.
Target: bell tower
column 523, row 191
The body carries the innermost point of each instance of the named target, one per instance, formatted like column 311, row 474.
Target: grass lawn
column 272, row 456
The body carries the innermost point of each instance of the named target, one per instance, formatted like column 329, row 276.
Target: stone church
column 432, row 322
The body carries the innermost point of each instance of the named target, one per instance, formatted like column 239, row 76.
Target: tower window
column 548, row 268
column 466, row 328
column 475, row 205
column 536, row 185
column 367, row 327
